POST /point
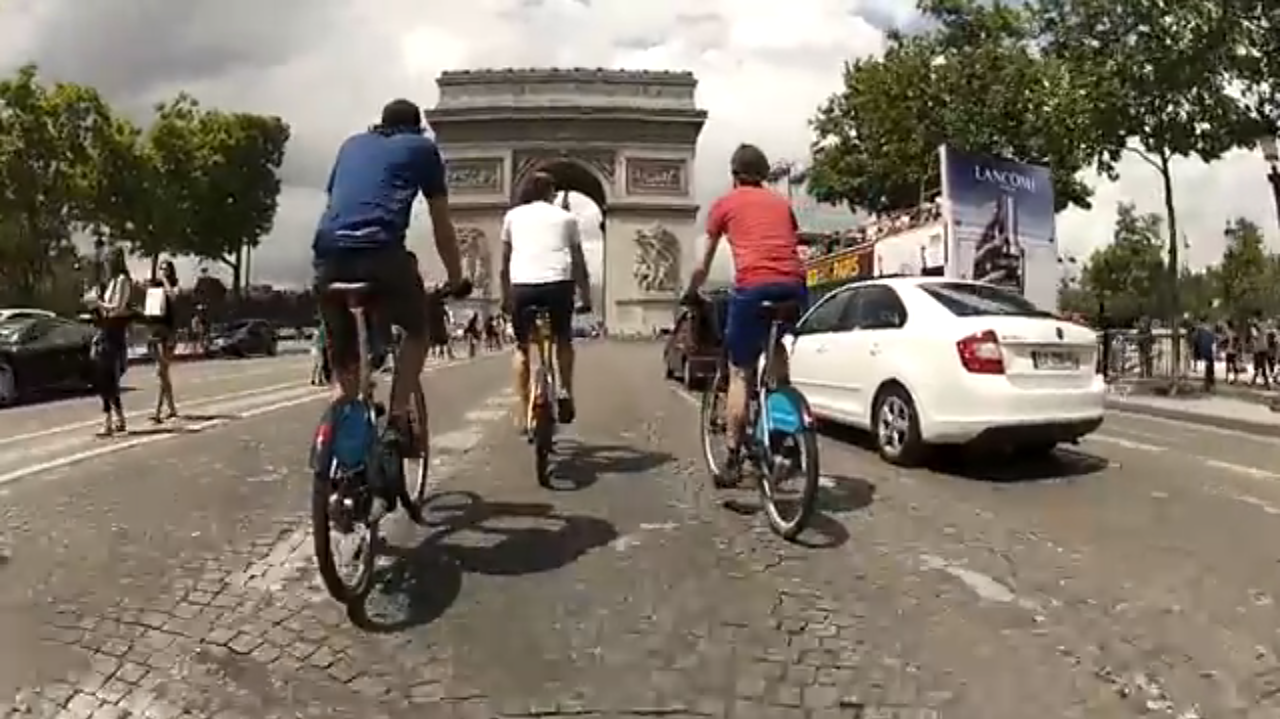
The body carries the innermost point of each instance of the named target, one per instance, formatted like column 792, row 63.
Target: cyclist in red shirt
column 764, row 239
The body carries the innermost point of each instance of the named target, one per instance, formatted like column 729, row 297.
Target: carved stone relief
column 656, row 177
column 600, row 161
column 657, row 263
column 474, row 175
column 477, row 259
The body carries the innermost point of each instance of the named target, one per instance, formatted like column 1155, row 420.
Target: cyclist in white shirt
column 542, row 264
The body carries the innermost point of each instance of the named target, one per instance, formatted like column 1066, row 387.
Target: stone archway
column 625, row 139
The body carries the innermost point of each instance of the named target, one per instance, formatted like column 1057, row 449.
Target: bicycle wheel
column 789, row 459
column 543, row 429
column 713, row 426
column 344, row 501
column 417, row 485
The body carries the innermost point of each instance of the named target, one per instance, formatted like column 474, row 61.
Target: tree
column 1160, row 76
column 47, row 176
column 240, row 186
column 1127, row 275
column 976, row 82
column 1245, row 275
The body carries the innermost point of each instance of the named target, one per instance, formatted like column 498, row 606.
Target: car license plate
column 1055, row 360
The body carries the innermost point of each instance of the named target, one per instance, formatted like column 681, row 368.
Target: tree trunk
column 1175, row 314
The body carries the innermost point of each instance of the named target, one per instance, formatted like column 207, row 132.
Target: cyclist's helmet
column 749, row 165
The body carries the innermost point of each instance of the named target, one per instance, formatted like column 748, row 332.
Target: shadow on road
column 986, row 464
column 52, row 395
column 837, row 495
column 577, row 465
column 470, row 534
column 1012, row 468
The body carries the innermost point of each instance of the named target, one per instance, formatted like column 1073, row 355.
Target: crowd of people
column 1254, row 342
column 876, row 228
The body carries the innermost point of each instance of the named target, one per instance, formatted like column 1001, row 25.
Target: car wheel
column 686, row 373
column 272, row 349
column 8, row 385
column 666, row 368
column 896, row 427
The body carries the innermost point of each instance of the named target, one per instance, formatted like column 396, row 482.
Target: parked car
column 923, row 361
column 14, row 313
column 42, row 353
column 243, row 338
column 693, row 344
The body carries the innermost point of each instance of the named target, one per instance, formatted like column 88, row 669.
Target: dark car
column 693, row 345
column 42, row 353
column 243, row 338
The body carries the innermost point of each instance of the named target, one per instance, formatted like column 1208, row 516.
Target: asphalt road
column 169, row 573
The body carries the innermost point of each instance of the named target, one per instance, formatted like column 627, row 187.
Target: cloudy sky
column 327, row 66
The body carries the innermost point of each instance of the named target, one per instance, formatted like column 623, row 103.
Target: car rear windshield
column 964, row 299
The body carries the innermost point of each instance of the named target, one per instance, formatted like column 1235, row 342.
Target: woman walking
column 164, row 328
column 110, row 343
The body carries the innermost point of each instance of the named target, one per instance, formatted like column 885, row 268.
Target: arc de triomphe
column 626, row 139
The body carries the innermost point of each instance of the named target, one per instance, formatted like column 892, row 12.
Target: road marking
column 1260, row 504
column 197, row 402
column 985, row 586
column 1198, row 427
column 1126, row 443
column 307, row 394
column 1254, row 472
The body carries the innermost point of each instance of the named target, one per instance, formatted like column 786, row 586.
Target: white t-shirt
column 541, row 236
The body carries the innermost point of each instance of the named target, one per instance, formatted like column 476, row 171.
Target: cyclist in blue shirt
column 361, row 238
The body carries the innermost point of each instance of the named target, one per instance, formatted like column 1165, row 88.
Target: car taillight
column 980, row 353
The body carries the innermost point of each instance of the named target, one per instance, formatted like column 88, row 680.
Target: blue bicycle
column 359, row 475
column 781, row 441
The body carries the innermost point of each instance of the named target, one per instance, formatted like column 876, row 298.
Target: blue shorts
column 746, row 328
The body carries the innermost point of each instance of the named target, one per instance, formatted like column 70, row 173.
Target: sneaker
column 565, row 409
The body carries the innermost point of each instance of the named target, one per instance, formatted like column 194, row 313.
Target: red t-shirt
column 762, row 233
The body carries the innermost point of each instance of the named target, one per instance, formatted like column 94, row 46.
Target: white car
column 20, row 313
column 922, row 361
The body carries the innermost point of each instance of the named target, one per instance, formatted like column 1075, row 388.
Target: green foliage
column 1246, row 277
column 1126, row 276
column 977, row 82
column 238, row 196
column 196, row 181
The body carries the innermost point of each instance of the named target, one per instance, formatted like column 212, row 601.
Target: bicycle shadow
column 577, row 465
column 837, row 496
column 471, row 535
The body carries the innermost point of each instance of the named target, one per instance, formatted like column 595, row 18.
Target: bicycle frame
column 764, row 380
column 362, row 340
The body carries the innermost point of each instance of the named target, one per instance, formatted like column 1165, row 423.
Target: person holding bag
column 158, row 309
column 110, row 344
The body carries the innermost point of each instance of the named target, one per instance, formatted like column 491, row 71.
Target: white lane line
column 1244, row 469
column 311, row 395
column 1126, row 443
column 1197, row 427
column 186, row 404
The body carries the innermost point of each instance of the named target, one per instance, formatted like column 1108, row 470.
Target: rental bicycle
column 358, row 475
column 780, row 442
column 542, row 414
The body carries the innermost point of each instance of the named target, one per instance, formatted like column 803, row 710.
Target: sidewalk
column 1249, row 415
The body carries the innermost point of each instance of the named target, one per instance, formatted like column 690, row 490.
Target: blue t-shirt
column 375, row 179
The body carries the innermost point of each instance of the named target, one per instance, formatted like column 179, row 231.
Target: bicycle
column 542, row 412
column 358, row 476
column 779, row 443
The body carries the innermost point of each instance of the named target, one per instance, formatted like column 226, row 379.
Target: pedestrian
column 159, row 311
column 1203, row 342
column 1231, row 348
column 320, row 375
column 109, row 349
column 1258, row 349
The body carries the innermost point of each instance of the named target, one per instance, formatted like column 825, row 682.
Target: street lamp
column 1271, row 153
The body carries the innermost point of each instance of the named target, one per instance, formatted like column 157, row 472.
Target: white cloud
column 327, row 66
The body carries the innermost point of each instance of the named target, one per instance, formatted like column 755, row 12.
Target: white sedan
column 922, row 361
column 22, row 313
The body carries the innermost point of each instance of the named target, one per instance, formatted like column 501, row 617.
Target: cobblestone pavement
column 1133, row 575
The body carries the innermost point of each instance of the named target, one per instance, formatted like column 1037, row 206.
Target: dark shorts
column 746, row 328
column 555, row 297
column 398, row 297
